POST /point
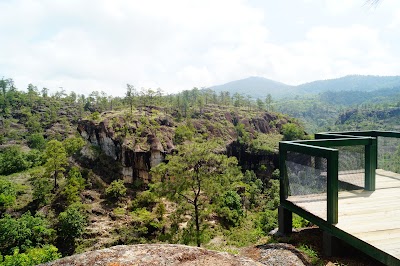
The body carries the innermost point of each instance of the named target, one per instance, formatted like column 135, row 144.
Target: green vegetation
column 59, row 197
column 311, row 253
column 116, row 189
column 71, row 225
column 24, row 233
column 13, row 160
column 33, row 256
column 8, row 194
column 56, row 159
column 195, row 176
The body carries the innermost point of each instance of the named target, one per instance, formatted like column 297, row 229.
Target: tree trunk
column 196, row 216
column 55, row 180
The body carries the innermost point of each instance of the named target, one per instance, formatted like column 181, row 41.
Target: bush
column 291, row 131
column 254, row 189
column 8, row 194
column 37, row 141
column 116, row 189
column 183, row 133
column 268, row 220
column 24, row 233
column 75, row 185
column 32, row 256
column 95, row 115
column 230, row 209
column 42, row 187
column 145, row 199
column 34, row 158
column 73, row 145
column 12, row 160
column 299, row 222
column 71, row 225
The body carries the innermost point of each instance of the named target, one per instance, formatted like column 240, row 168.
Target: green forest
column 216, row 184
column 84, row 172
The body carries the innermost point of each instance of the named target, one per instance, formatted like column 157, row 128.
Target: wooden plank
column 373, row 217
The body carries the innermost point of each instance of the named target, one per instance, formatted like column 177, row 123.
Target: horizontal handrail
column 324, row 146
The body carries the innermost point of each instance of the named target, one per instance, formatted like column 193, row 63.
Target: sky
column 174, row 45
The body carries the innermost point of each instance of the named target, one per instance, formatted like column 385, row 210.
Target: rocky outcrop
column 254, row 161
column 159, row 254
column 136, row 156
column 142, row 142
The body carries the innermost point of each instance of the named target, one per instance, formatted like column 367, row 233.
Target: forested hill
column 83, row 172
column 351, row 83
column 258, row 87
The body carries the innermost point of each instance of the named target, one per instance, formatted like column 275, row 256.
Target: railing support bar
column 332, row 187
column 370, row 164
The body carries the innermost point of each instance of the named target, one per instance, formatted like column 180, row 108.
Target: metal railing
column 324, row 146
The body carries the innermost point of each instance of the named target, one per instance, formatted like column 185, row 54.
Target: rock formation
column 162, row 254
column 144, row 142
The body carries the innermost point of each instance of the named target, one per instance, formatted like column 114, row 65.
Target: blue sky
column 176, row 44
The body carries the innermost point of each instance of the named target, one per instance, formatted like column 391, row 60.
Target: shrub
column 32, row 256
column 267, row 220
column 145, row 199
column 299, row 222
column 71, row 225
column 116, row 189
column 73, row 145
column 95, row 115
column 291, row 131
column 75, row 185
column 230, row 209
column 8, row 194
column 42, row 187
column 34, row 158
column 37, row 141
column 183, row 133
column 12, row 160
column 24, row 233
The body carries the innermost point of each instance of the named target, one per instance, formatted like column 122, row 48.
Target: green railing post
column 332, row 187
column 370, row 164
column 283, row 179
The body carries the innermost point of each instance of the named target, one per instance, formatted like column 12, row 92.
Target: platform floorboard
column 373, row 217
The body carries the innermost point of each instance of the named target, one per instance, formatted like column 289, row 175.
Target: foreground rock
column 279, row 254
column 162, row 254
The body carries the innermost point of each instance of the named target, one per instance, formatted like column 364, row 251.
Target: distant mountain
column 257, row 87
column 351, row 83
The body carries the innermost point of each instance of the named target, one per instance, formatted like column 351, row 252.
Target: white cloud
column 102, row 45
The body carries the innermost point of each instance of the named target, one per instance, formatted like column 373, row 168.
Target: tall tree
column 56, row 159
column 268, row 102
column 130, row 95
column 195, row 176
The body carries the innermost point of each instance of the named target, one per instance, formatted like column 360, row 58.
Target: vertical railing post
column 371, row 155
column 284, row 215
column 283, row 179
column 332, row 185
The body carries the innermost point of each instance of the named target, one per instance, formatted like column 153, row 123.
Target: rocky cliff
column 143, row 140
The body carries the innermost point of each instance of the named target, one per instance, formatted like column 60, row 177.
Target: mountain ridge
column 259, row 87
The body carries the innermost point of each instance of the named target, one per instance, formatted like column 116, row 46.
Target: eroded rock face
column 136, row 159
column 138, row 145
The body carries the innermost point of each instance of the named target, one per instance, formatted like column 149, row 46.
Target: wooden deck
column 373, row 217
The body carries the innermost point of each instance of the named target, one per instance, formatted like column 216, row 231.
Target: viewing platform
column 333, row 181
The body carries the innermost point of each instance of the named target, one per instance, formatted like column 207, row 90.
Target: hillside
column 256, row 87
column 84, row 173
column 351, row 83
column 259, row 87
column 97, row 171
